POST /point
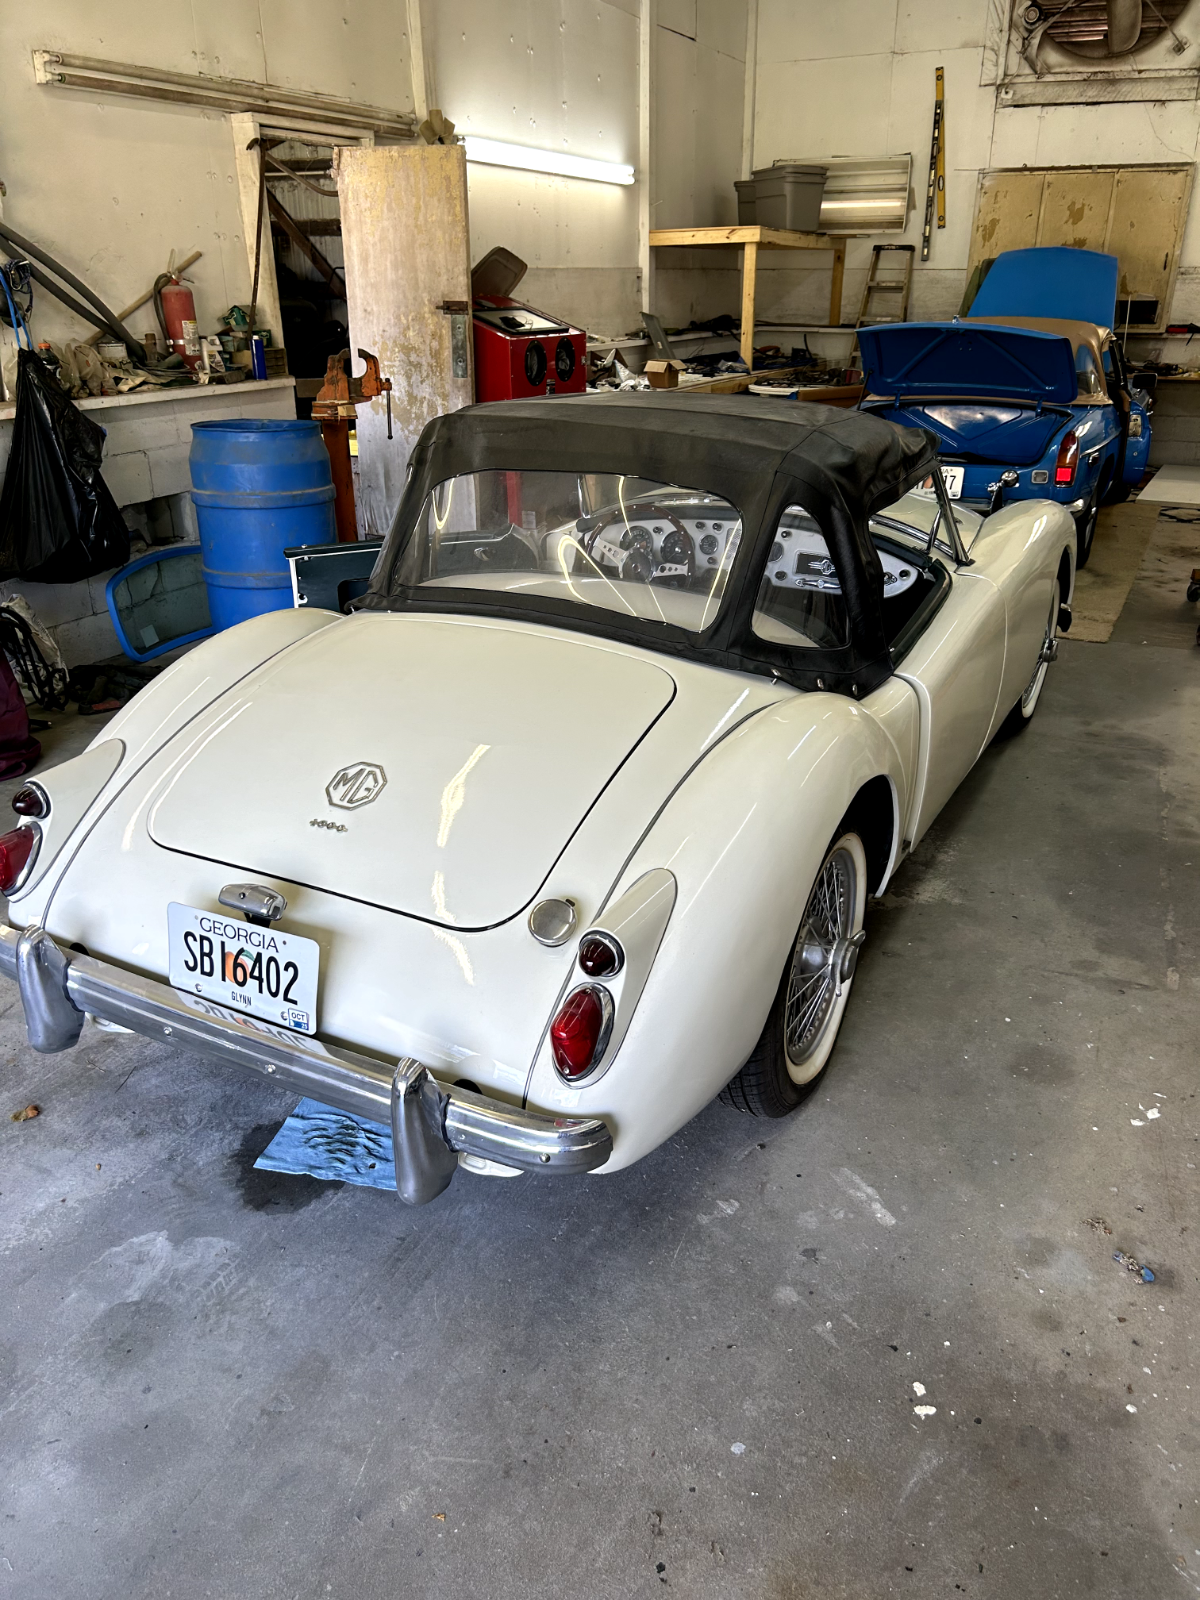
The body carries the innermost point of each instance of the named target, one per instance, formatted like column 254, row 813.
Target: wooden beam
column 418, row 62
column 647, row 18
column 749, row 275
column 835, row 283
column 292, row 228
column 769, row 238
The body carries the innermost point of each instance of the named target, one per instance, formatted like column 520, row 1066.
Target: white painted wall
column 857, row 78
column 111, row 186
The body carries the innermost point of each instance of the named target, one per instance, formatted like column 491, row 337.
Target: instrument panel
column 665, row 540
column 799, row 559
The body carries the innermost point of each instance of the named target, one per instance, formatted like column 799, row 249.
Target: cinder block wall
column 146, row 467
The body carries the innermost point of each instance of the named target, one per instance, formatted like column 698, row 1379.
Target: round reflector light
column 600, row 955
column 30, row 802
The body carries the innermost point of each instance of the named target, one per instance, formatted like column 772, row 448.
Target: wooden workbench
column 751, row 240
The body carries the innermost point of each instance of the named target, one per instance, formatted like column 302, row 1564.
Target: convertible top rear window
column 651, row 551
column 585, row 512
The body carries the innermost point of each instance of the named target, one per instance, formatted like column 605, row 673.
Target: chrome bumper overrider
column 431, row 1122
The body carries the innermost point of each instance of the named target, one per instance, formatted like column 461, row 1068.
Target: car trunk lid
column 433, row 766
column 940, row 360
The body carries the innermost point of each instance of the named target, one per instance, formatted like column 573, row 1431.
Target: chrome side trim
column 57, row 987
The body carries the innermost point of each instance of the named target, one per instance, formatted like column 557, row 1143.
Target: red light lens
column 30, row 802
column 15, row 850
column 1068, row 458
column 600, row 955
column 578, row 1030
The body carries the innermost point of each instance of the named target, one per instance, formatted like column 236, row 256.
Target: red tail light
column 580, row 1031
column 1068, row 458
column 16, row 849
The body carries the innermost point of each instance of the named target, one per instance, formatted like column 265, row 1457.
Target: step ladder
column 892, row 292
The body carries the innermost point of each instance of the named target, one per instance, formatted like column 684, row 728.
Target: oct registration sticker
column 260, row 971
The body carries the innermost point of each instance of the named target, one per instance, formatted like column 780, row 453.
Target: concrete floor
column 699, row 1375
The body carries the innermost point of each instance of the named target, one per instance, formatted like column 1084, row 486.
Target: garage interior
column 930, row 1334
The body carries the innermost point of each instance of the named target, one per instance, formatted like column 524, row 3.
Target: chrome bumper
column 432, row 1123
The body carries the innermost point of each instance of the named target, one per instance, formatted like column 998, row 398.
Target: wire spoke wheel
column 1046, row 655
column 802, row 1026
column 823, row 961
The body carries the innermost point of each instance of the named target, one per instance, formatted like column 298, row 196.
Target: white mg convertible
column 572, row 823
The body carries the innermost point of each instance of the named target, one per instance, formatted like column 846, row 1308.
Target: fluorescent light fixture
column 495, row 153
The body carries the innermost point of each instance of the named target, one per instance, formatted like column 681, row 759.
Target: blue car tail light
column 1068, row 458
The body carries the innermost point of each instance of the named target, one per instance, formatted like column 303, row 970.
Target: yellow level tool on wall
column 937, row 167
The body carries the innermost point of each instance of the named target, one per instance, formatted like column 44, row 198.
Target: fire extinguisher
column 178, row 318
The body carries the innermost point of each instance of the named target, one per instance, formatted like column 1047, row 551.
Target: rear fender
column 141, row 728
column 744, row 836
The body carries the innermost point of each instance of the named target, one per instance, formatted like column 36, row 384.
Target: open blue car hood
column 1050, row 281
column 921, row 360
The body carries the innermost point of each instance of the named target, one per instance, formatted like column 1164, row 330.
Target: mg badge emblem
column 356, row 785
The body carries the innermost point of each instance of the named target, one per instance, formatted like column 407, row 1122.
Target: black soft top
column 758, row 453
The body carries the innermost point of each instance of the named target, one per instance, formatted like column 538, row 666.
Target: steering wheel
column 678, row 549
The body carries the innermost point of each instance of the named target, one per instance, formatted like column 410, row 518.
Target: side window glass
column 800, row 599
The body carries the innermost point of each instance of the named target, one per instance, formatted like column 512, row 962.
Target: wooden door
column 407, row 252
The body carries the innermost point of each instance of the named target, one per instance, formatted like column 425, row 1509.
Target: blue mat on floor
column 334, row 1145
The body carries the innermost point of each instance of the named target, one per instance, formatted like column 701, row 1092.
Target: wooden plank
column 749, row 276
column 769, row 238
column 404, row 229
column 294, row 232
column 835, row 283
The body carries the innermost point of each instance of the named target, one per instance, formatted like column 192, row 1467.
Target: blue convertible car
column 1028, row 394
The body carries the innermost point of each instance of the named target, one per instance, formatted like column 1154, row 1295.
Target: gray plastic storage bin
column 747, row 208
column 788, row 195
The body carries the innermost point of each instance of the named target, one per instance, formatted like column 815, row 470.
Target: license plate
column 260, row 971
column 954, row 481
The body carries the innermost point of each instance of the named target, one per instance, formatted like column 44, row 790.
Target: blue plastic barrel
column 259, row 487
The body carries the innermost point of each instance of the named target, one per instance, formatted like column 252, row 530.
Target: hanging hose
column 16, row 320
column 160, row 284
column 136, row 350
column 69, row 300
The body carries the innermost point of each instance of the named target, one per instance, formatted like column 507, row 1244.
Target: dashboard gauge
column 777, row 551
column 637, row 538
column 677, row 549
column 708, row 544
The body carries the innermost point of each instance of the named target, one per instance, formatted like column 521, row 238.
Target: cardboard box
column 663, row 374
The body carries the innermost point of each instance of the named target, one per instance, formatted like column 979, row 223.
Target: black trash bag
column 58, row 520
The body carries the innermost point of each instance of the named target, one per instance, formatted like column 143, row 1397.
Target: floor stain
column 267, row 1191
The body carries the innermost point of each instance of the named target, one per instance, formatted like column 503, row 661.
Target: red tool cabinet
column 520, row 352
